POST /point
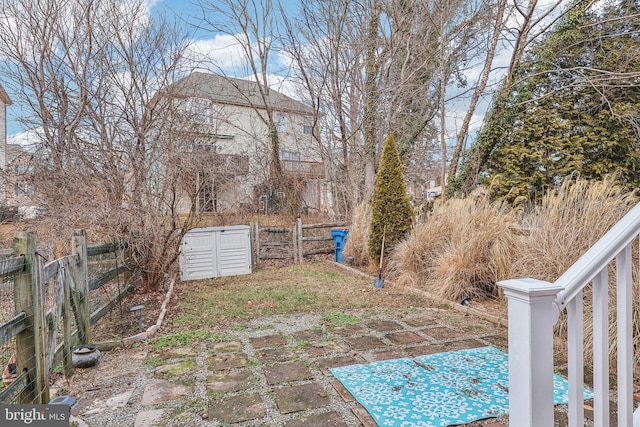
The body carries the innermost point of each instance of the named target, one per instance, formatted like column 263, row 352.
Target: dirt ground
column 120, row 322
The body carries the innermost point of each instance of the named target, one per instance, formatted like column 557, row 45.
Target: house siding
column 237, row 128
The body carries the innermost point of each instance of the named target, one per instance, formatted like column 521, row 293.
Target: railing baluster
column 625, row 356
column 576, row 361
column 601, row 348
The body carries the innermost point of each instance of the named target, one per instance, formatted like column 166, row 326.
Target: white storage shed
column 215, row 252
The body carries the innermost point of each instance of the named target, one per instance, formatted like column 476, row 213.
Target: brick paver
column 384, row 325
column 235, row 409
column 148, row 418
column 321, row 349
column 224, row 381
column 364, row 343
column 300, row 397
column 226, row 347
column 348, row 331
column 220, row 362
column 405, row 337
column 287, row 372
column 442, row 333
column 163, row 391
column 420, row 322
column 323, row 419
column 269, row 355
column 268, row 341
column 309, row 335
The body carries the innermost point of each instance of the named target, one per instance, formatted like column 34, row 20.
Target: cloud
column 222, row 53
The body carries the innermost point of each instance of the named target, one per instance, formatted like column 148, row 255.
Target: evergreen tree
column 391, row 212
column 570, row 110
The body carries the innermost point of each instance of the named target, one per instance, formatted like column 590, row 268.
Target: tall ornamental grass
column 463, row 248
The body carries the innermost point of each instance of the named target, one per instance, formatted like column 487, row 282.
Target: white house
column 224, row 122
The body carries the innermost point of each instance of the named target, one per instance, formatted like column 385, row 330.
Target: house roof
column 232, row 91
column 14, row 151
column 4, row 97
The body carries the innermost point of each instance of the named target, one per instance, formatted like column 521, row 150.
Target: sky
column 222, row 49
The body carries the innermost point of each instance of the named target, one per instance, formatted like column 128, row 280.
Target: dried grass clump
column 563, row 228
column 463, row 249
column 356, row 247
column 568, row 222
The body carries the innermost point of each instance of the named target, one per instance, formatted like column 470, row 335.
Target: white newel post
column 531, row 320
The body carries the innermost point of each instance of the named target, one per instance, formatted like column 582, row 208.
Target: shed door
column 198, row 256
column 234, row 256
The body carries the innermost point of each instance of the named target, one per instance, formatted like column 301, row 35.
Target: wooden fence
column 295, row 243
column 53, row 309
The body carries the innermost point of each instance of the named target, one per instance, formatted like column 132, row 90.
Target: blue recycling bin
column 339, row 240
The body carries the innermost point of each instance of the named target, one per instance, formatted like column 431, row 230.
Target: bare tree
column 108, row 157
column 326, row 46
column 255, row 26
column 378, row 66
column 479, row 89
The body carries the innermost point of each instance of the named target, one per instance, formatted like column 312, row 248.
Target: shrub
column 391, row 212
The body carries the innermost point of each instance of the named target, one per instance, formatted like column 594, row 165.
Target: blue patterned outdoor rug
column 435, row 390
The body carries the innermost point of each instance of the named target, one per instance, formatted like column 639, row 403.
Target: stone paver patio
column 274, row 372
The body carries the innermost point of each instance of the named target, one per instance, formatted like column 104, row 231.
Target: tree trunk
column 371, row 102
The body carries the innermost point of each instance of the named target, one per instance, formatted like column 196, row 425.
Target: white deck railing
column 534, row 308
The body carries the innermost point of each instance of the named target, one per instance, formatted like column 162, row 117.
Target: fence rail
column 51, row 300
column 293, row 243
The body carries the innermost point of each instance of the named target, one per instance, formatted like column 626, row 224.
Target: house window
column 307, row 126
column 22, row 189
column 281, row 122
column 290, row 155
column 201, row 111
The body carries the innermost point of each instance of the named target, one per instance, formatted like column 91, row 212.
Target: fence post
column 256, row 236
column 80, row 295
column 67, row 360
column 531, row 319
column 300, row 248
column 252, row 236
column 28, row 298
column 42, row 372
column 294, row 236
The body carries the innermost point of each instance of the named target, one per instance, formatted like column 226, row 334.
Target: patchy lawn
column 310, row 287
